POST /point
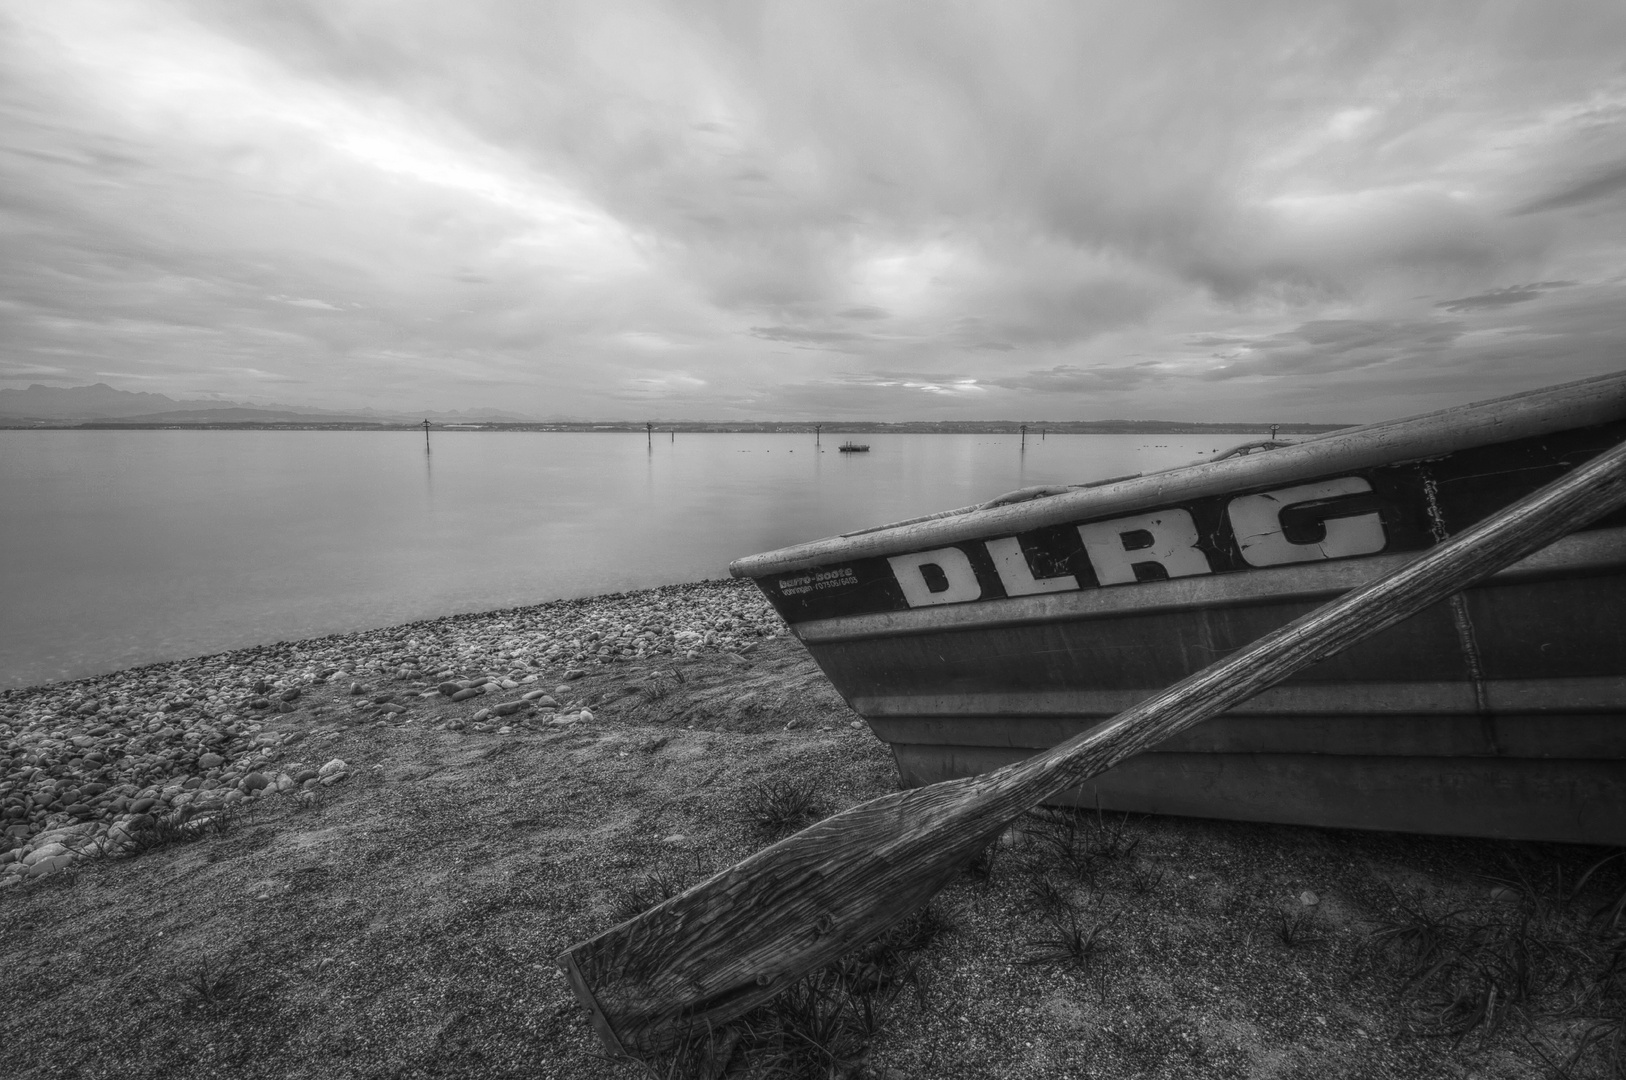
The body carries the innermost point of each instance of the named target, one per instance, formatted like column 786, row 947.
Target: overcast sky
column 1210, row 210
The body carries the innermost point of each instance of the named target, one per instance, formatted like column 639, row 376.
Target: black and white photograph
column 813, row 540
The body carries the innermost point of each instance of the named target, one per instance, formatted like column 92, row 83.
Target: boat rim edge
column 1577, row 404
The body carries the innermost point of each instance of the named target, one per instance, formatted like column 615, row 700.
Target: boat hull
column 1533, row 748
column 974, row 638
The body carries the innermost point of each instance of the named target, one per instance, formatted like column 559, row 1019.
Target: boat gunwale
column 1568, row 406
column 1588, row 552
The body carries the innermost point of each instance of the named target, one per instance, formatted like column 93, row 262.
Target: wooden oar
column 715, row 951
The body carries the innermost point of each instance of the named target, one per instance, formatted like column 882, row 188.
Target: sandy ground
column 406, row 923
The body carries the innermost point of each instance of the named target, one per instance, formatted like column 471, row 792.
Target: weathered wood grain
column 730, row 943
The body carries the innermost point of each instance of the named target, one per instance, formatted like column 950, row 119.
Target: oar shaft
column 729, row 943
column 1568, row 504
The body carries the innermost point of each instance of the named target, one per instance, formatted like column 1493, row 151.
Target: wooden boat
column 853, row 448
column 974, row 637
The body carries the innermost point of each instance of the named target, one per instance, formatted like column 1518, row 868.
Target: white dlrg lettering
column 1167, row 538
column 943, row 576
column 1257, row 522
column 1017, row 576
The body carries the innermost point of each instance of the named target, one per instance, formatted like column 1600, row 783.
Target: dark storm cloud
column 1336, row 345
column 1498, row 298
column 590, row 204
column 1607, row 184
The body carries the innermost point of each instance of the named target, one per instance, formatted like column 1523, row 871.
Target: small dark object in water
column 854, row 448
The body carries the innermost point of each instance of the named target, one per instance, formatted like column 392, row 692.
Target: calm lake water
column 125, row 547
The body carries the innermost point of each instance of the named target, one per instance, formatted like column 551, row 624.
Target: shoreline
column 426, row 620
column 857, row 427
column 85, row 764
column 392, row 900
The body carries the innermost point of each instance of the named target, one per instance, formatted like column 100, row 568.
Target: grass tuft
column 1111, row 839
column 821, row 1025
column 981, row 867
column 700, row 1055
column 1073, row 942
column 656, row 888
column 1043, row 893
column 661, row 685
column 781, row 806
column 1545, row 977
column 209, row 984
column 180, row 826
column 1295, row 928
column 1612, row 916
column 1144, row 878
column 1418, row 932
column 1057, row 840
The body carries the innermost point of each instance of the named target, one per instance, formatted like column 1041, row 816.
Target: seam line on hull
column 1462, row 622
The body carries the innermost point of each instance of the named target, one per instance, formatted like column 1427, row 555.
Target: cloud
column 1336, row 345
column 1609, row 183
column 1499, row 298
column 810, row 207
column 808, row 336
column 33, row 372
column 314, row 305
column 661, row 386
column 922, row 382
column 879, row 395
column 1073, row 379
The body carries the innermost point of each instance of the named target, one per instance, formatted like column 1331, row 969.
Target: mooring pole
column 816, row 428
column 1273, row 428
column 1024, row 436
column 426, row 436
column 649, row 433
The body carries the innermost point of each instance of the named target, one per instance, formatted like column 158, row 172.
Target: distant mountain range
column 79, row 404
column 102, row 406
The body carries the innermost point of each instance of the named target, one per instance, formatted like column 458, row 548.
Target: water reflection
column 127, row 547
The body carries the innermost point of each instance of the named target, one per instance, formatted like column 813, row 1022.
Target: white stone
column 44, row 851
column 51, row 864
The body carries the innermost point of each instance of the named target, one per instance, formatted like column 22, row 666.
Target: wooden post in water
column 649, row 433
column 426, row 435
column 816, row 428
column 1024, row 437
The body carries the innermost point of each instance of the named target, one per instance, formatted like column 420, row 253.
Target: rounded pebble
column 202, row 732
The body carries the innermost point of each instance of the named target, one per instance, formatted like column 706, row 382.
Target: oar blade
column 717, row 950
column 729, row 943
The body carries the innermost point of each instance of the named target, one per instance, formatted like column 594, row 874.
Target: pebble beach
column 87, row 765
column 362, row 855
